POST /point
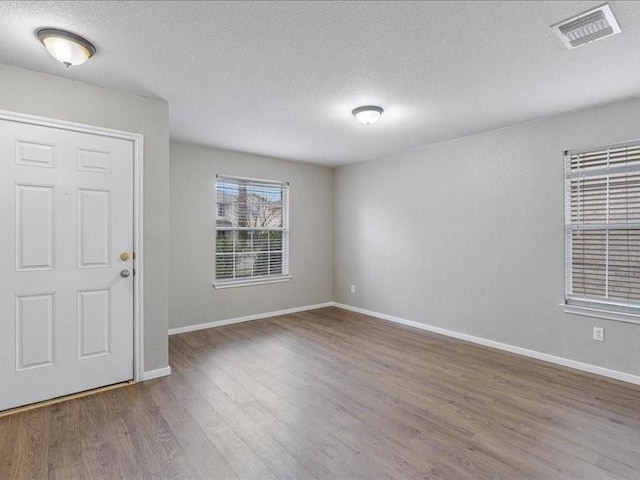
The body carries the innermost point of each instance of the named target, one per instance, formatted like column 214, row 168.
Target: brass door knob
column 124, row 256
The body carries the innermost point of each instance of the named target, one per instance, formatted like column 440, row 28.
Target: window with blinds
column 252, row 231
column 602, row 227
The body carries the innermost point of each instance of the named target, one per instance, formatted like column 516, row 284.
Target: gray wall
column 193, row 299
column 34, row 93
column 467, row 235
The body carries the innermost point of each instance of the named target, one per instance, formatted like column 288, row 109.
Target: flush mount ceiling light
column 66, row 47
column 587, row 27
column 368, row 114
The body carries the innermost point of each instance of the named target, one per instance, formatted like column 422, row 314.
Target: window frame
column 599, row 307
column 285, row 276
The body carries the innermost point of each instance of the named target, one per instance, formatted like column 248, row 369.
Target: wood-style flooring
column 335, row 394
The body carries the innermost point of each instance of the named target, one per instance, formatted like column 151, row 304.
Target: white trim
column 151, row 374
column 598, row 313
column 585, row 367
column 66, row 125
column 248, row 318
column 138, row 180
column 247, row 179
column 138, row 262
column 244, row 283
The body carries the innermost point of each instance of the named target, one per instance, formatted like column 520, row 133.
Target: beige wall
column 34, row 93
column 467, row 235
column 193, row 299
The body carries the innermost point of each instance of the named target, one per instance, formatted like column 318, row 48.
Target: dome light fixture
column 66, row 47
column 368, row 114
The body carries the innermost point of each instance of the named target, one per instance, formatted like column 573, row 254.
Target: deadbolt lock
column 124, row 256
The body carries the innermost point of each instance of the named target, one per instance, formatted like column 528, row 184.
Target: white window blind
column 602, row 227
column 252, row 230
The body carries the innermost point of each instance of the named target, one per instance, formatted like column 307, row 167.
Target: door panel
column 93, row 161
column 35, row 227
column 66, row 314
column 35, row 154
column 94, row 323
column 35, row 316
column 94, row 228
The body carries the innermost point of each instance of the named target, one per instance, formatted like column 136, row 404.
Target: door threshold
column 66, row 398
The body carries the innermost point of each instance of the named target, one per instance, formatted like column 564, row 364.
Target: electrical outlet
column 353, row 289
column 598, row 334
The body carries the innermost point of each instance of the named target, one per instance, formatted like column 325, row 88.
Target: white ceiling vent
column 587, row 27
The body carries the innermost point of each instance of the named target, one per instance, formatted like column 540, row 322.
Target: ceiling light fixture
column 66, row 47
column 368, row 114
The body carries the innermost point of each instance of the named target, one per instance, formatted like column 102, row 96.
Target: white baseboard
column 160, row 372
column 585, row 367
column 248, row 318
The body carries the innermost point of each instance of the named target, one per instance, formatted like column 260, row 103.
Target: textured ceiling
column 281, row 78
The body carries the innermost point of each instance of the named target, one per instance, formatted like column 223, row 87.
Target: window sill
column 246, row 283
column 600, row 313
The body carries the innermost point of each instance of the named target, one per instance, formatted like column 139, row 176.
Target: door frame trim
column 138, row 224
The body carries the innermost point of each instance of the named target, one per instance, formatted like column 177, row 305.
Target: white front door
column 66, row 305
